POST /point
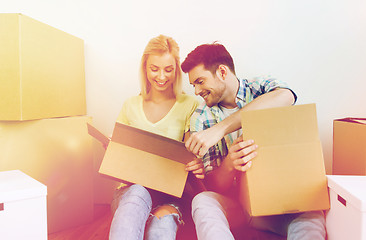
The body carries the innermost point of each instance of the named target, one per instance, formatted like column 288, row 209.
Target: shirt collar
column 241, row 91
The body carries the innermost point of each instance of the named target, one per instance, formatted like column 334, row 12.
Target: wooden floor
column 99, row 230
column 96, row 230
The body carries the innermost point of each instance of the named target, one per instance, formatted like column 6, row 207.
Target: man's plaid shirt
column 205, row 117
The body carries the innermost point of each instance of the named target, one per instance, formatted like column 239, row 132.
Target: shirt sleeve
column 200, row 121
column 122, row 117
column 264, row 84
column 196, row 121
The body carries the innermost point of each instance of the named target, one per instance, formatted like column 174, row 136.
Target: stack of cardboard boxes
column 346, row 218
column 43, row 127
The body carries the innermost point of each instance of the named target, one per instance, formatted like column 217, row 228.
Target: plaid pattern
column 205, row 117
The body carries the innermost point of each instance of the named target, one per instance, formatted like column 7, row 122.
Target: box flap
column 282, row 132
column 151, row 143
column 16, row 185
column 350, row 188
column 352, row 120
column 98, row 135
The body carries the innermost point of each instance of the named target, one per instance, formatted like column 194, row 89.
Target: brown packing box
column 41, row 70
column 349, row 146
column 58, row 153
column 288, row 174
column 148, row 159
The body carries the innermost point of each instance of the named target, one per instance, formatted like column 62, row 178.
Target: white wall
column 317, row 47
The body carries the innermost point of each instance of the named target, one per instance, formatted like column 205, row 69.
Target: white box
column 23, row 207
column 346, row 217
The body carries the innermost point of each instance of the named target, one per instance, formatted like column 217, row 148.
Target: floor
column 99, row 229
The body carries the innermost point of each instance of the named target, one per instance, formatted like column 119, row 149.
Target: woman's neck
column 159, row 96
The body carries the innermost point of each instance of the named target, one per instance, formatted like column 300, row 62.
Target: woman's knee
column 139, row 191
column 164, row 210
column 135, row 194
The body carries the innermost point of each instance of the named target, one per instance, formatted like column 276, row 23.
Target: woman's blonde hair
column 159, row 46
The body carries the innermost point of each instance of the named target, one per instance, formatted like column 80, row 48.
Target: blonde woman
column 163, row 109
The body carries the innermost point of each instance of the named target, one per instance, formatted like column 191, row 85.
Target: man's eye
column 154, row 69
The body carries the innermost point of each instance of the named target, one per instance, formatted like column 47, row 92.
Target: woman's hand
column 196, row 167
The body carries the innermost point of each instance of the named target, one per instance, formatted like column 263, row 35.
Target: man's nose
column 197, row 90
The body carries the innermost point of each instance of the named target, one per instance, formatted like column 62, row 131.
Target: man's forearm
column 277, row 98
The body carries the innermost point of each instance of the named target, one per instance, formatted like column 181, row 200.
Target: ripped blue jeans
column 132, row 218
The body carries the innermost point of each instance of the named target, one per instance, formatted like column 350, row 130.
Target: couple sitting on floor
column 211, row 131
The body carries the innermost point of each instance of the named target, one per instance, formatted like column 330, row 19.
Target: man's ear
column 222, row 71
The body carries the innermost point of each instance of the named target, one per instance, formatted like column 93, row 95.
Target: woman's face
column 160, row 71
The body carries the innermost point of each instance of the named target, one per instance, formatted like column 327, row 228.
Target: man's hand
column 196, row 166
column 199, row 142
column 241, row 154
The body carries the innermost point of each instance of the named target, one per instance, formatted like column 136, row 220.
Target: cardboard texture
column 288, row 174
column 103, row 187
column 148, row 159
column 346, row 218
column 349, row 146
column 41, row 70
column 24, row 210
column 103, row 139
column 56, row 152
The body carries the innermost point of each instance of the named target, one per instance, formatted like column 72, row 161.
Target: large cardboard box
column 288, row 174
column 349, row 146
column 41, row 70
column 148, row 159
column 56, row 152
column 346, row 218
column 23, row 209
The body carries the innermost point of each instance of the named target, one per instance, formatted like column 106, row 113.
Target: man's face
column 209, row 86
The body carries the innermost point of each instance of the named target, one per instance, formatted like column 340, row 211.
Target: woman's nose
column 161, row 75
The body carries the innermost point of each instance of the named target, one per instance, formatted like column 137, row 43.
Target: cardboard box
column 23, row 211
column 148, row 159
column 41, row 70
column 56, row 152
column 346, row 218
column 349, row 146
column 104, row 188
column 288, row 174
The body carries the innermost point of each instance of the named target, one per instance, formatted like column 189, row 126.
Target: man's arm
column 199, row 142
column 195, row 166
column 239, row 159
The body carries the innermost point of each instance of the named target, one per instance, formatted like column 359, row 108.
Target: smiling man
column 216, row 137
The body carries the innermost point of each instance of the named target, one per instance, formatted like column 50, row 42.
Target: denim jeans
column 132, row 207
column 215, row 215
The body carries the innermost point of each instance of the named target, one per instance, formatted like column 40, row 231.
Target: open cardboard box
column 154, row 161
column 288, row 174
column 349, row 146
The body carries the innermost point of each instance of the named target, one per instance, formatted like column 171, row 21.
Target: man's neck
column 232, row 88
